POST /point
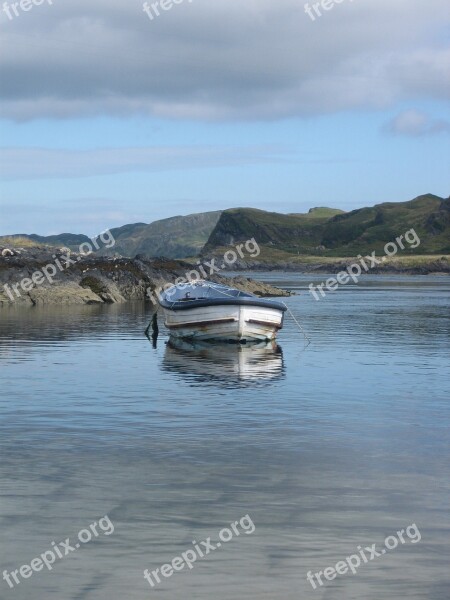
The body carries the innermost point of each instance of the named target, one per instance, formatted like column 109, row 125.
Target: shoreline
column 405, row 265
column 92, row 279
column 43, row 276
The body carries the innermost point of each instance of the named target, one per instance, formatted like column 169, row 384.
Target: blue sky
column 86, row 145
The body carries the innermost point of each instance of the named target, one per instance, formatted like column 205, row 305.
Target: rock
column 66, row 293
column 258, row 288
column 92, row 279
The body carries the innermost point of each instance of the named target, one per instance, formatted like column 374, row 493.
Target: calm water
column 326, row 447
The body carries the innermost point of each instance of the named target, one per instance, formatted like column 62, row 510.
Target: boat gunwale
column 185, row 305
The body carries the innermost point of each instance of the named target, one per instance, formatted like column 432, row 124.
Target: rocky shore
column 404, row 265
column 41, row 275
column 434, row 266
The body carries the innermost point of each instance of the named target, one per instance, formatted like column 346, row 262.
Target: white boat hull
column 227, row 322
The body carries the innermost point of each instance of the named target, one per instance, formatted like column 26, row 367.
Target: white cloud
column 43, row 163
column 221, row 59
column 416, row 123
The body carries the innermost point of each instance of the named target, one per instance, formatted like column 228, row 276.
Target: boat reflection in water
column 224, row 364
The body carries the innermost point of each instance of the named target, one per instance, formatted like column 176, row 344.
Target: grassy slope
column 341, row 235
column 17, row 241
column 371, row 228
column 323, row 232
column 289, row 233
column 321, row 212
column 175, row 237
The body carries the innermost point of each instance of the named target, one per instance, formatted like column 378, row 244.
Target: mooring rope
column 297, row 323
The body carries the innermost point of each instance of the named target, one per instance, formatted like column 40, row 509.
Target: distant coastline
column 322, row 234
column 406, row 238
column 400, row 265
column 101, row 280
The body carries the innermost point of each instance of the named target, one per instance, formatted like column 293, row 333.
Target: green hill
column 322, row 232
column 70, row 240
column 293, row 233
column 176, row 237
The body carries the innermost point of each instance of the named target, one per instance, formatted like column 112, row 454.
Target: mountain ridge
column 320, row 232
column 346, row 234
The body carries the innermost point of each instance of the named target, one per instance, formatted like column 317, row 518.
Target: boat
column 204, row 310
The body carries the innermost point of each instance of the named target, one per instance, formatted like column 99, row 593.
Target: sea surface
column 324, row 446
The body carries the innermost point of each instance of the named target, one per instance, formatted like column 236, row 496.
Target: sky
column 112, row 114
